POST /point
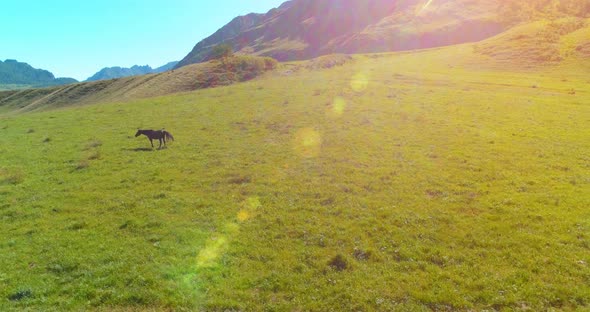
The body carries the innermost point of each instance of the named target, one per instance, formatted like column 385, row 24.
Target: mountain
column 303, row 29
column 119, row 72
column 228, row 33
column 14, row 74
column 164, row 68
column 558, row 46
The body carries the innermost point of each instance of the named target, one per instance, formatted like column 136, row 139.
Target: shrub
column 329, row 61
column 234, row 69
column 239, row 179
column 20, row 295
column 220, row 51
column 83, row 164
column 338, row 263
column 94, row 155
column 11, row 177
column 93, row 144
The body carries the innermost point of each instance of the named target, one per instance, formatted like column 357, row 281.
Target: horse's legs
column 151, row 142
column 160, row 147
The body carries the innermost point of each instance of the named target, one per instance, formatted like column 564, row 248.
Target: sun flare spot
column 253, row 203
column 425, row 7
column 337, row 107
column 248, row 210
column 216, row 246
column 308, row 142
column 207, row 257
column 359, row 82
column 243, row 215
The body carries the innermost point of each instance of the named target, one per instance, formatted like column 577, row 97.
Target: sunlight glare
column 207, row 256
column 243, row 215
column 253, row 203
column 337, row 107
column 359, row 82
column 308, row 142
column 216, row 246
column 425, row 7
column 248, row 208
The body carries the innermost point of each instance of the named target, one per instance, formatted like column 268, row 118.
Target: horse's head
column 138, row 133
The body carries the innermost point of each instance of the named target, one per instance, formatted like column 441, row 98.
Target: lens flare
column 216, row 246
column 243, row 215
column 337, row 108
column 424, row 7
column 253, row 203
column 359, row 82
column 207, row 257
column 308, row 143
column 249, row 207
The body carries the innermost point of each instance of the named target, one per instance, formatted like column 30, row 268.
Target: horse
column 161, row 135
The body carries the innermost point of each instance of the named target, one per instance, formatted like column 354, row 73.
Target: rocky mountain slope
column 303, row 29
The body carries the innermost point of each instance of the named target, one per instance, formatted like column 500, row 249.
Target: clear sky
column 76, row 38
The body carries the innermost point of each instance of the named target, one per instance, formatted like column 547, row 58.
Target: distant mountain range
column 188, row 78
column 303, row 29
column 19, row 75
column 120, row 72
column 14, row 75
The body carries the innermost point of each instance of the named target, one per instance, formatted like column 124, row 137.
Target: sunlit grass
column 394, row 182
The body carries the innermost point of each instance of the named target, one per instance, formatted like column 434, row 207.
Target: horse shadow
column 144, row 149
column 139, row 149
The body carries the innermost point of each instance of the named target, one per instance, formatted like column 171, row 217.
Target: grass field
column 409, row 182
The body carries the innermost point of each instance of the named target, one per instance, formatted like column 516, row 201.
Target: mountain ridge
column 16, row 75
column 135, row 70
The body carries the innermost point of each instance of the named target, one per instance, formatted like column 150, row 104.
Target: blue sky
column 76, row 38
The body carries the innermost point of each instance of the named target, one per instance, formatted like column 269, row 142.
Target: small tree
column 221, row 51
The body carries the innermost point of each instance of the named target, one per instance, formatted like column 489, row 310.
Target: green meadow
column 418, row 181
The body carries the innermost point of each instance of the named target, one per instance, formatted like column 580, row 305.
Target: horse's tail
column 168, row 136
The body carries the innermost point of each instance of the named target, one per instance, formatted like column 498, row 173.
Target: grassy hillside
column 189, row 78
column 410, row 182
column 541, row 43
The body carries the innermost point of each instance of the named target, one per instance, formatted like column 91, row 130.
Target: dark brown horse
column 161, row 135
